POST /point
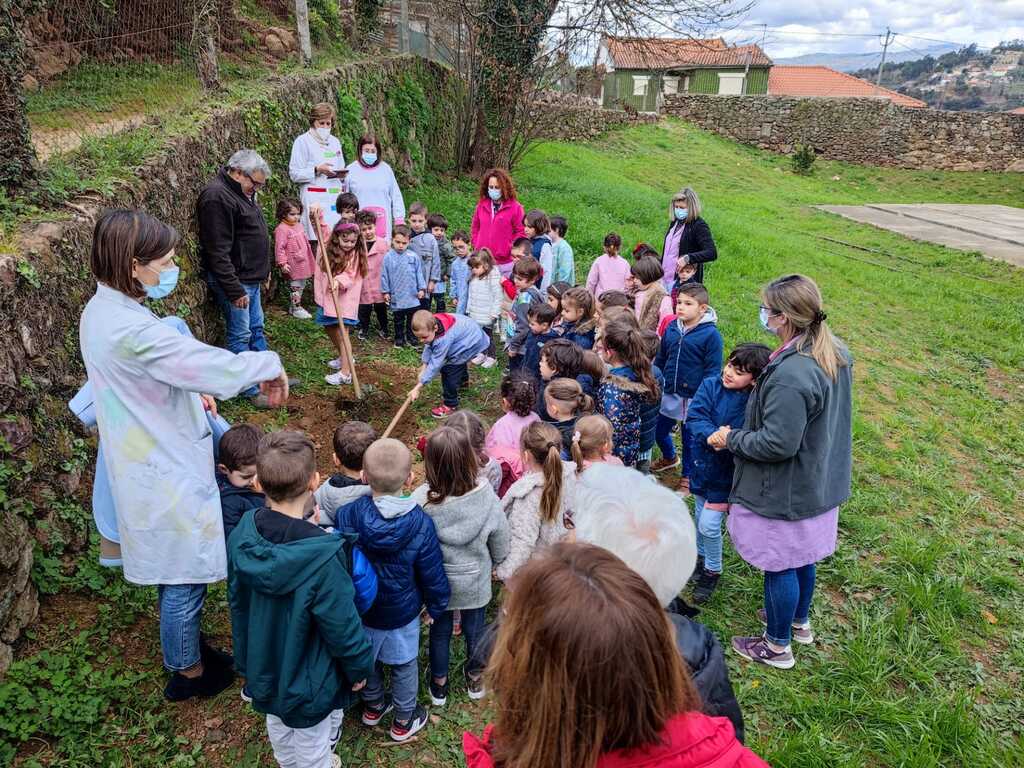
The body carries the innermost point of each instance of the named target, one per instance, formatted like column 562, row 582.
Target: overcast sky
column 796, row 28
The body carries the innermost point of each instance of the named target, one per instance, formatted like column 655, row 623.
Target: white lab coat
column 378, row 191
column 155, row 437
column 307, row 154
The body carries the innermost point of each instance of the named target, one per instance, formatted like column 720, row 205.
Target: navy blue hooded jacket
column 580, row 333
column 649, row 415
column 686, row 359
column 235, row 502
column 404, row 550
column 713, row 406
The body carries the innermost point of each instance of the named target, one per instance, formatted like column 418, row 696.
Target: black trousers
column 367, row 310
column 402, row 319
column 452, row 377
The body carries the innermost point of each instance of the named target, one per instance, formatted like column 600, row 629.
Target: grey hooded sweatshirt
column 474, row 536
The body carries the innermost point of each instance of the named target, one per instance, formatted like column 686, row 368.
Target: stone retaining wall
column 866, row 131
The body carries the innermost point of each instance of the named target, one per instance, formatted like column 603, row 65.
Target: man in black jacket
column 234, row 249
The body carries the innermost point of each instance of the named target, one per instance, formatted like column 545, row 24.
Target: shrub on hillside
column 803, row 158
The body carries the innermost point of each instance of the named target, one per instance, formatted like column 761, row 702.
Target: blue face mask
column 494, row 194
column 763, row 315
column 168, row 282
column 681, row 214
column 369, row 158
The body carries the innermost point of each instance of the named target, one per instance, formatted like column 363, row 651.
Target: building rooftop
column 671, row 53
column 824, row 81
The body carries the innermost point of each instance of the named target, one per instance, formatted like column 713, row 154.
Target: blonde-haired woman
column 688, row 238
column 317, row 166
column 793, row 465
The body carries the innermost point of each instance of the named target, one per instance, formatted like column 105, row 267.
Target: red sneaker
column 442, row 412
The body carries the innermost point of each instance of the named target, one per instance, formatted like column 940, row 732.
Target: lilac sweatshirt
column 607, row 273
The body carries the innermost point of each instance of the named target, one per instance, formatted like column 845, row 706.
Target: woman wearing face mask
column 498, row 219
column 147, row 379
column 318, row 167
column 688, row 238
column 793, row 463
column 373, row 182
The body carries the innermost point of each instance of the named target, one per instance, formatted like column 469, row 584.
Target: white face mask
column 323, row 133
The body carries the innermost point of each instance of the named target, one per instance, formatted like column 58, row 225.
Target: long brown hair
column 450, row 464
column 505, row 184
column 559, row 700
column 544, row 444
column 799, row 299
column 470, row 423
column 340, row 259
column 627, row 341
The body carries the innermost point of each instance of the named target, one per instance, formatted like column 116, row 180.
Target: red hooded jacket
column 691, row 740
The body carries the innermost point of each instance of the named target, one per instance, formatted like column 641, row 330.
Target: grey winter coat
column 474, row 537
column 331, row 497
column 794, row 454
column 529, row 533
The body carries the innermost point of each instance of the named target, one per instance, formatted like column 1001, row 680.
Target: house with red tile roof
column 638, row 71
column 811, row 81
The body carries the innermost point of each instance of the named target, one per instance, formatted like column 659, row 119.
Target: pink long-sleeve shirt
column 607, row 273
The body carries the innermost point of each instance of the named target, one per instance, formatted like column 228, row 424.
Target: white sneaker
column 300, row 313
column 489, row 362
column 479, row 359
column 337, row 379
column 335, row 364
column 335, row 760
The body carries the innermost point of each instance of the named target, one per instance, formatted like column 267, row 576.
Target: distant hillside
column 852, row 62
column 964, row 79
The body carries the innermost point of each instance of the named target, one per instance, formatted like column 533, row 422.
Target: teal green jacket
column 298, row 638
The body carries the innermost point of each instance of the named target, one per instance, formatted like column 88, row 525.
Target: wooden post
column 302, row 26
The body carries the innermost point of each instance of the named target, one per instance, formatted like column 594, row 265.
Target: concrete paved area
column 997, row 231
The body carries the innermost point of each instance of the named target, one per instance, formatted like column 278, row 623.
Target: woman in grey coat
column 793, row 465
column 474, row 536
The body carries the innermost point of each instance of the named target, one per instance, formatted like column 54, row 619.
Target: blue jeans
column 709, row 534
column 663, row 433
column 181, row 608
column 787, row 601
column 243, row 328
column 441, row 639
column 453, row 376
column 405, row 685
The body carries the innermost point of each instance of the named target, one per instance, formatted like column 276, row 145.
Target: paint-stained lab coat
column 155, row 437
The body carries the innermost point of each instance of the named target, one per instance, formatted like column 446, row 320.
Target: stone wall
column 571, row 117
column 46, row 282
column 866, row 131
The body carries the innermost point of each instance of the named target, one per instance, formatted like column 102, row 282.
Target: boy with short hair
column 371, row 300
column 438, row 226
column 564, row 261
column 525, row 276
column 450, row 342
column 424, row 245
column 719, row 401
column 459, row 273
column 690, row 351
column 347, row 205
column 350, row 441
column 293, row 619
column 402, row 283
column 236, row 474
column 400, row 541
column 521, row 248
column 540, row 318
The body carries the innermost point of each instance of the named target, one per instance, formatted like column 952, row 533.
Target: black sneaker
column 374, row 713
column 438, row 693
column 403, row 730
column 706, row 584
column 361, row 335
column 383, row 335
column 213, row 680
column 475, row 687
column 215, row 656
column 245, row 694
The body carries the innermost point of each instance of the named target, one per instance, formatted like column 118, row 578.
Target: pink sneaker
column 441, row 412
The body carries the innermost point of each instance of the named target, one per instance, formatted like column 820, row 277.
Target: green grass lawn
column 918, row 660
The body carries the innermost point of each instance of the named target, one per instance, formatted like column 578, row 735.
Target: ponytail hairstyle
column 612, row 243
column 613, row 298
column 450, row 464
column 340, row 259
column 593, row 433
column 544, row 445
column 593, row 366
column 627, row 341
column 798, row 299
column 470, row 424
column 570, row 391
column 482, row 257
column 582, row 299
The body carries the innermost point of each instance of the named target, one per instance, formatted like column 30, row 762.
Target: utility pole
column 889, row 37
